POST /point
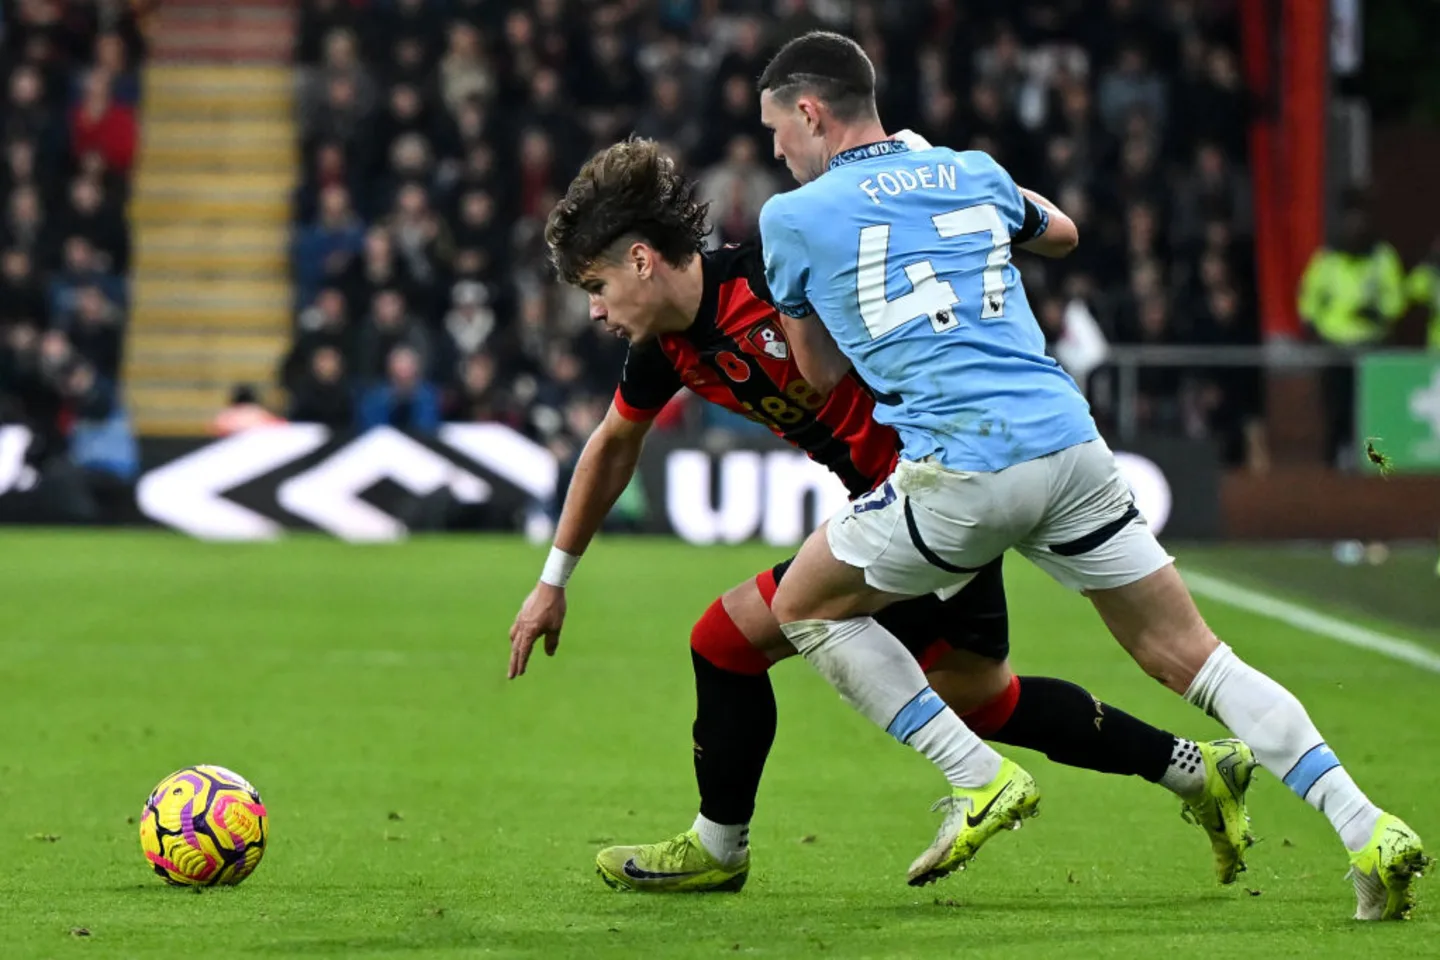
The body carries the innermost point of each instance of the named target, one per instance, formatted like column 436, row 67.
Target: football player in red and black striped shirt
column 630, row 233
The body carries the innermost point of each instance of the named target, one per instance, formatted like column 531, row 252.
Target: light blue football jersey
column 905, row 257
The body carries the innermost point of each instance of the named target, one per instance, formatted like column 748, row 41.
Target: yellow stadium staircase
column 211, row 297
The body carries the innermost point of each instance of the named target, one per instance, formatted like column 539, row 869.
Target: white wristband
column 558, row 567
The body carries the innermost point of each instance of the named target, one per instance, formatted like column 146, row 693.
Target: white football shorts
column 929, row 529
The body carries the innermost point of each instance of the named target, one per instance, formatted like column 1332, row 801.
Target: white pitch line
column 1312, row 621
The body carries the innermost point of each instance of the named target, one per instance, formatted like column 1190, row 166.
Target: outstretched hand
column 542, row 615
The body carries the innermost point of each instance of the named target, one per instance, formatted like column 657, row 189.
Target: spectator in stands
column 405, row 113
column 736, row 190
column 27, row 116
column 479, row 230
column 94, row 326
column 471, row 321
column 25, row 225
column 321, row 395
column 378, row 268
column 538, row 175
column 410, row 162
column 417, row 20
column 328, row 167
column 737, row 114
column 409, row 62
column 98, row 124
column 340, row 117
column 1211, row 190
column 323, row 250
column 1229, row 397
column 22, row 299
column 1072, row 336
column 22, row 170
column 116, row 184
column 405, row 399
column 1211, row 98
column 101, row 439
column 389, row 326
column 27, row 397
column 18, row 342
column 482, row 398
column 81, row 269
column 112, row 58
column 325, row 323
column 464, row 72
column 318, row 19
column 341, row 62
column 90, row 217
column 421, row 237
column 611, row 87
column 1129, row 87
column 668, row 118
column 551, row 111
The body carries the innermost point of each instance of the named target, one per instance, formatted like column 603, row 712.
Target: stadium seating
column 70, row 135
column 436, row 136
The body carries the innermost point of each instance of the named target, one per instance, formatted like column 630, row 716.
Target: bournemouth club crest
column 768, row 339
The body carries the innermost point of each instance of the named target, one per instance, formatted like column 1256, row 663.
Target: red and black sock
column 734, row 717
column 1068, row 725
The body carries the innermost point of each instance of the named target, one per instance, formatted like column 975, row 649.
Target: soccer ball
column 202, row 826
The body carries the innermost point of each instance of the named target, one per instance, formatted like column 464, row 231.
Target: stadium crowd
column 437, row 136
column 68, row 138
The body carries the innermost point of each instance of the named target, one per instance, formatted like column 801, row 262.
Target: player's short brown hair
column 628, row 191
column 832, row 67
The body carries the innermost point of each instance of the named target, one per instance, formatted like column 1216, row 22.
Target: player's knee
column 968, row 682
column 785, row 608
column 1156, row 621
column 991, row 716
column 1174, row 659
column 718, row 639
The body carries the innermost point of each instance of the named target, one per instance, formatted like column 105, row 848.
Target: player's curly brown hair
column 628, row 191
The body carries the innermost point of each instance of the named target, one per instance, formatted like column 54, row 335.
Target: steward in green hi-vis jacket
column 1353, row 292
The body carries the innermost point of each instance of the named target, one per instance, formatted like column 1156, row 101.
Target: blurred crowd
column 68, row 138
column 438, row 134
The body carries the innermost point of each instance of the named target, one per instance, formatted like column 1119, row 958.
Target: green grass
column 421, row 806
column 1404, row 588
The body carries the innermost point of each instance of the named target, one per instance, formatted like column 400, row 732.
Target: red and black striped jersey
column 736, row 355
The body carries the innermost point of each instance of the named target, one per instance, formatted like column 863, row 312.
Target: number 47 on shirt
column 929, row 295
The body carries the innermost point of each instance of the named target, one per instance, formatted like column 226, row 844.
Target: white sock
column 876, row 675
column 728, row 843
column 1270, row 719
column 1185, row 776
column 1350, row 812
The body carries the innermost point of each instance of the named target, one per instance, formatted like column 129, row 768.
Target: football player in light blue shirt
column 897, row 261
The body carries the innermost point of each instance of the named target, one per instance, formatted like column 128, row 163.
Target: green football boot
column 1385, row 869
column 1219, row 807
column 678, row 865
column 973, row 816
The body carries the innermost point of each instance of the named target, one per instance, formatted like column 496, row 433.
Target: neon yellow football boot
column 973, row 816
column 1219, row 807
column 678, row 865
column 1385, row 869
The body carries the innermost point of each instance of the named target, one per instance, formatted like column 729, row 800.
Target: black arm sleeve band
column 1034, row 225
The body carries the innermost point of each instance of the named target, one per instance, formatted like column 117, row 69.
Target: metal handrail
column 1128, row 359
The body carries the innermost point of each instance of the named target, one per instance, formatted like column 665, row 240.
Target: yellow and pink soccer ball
column 203, row 826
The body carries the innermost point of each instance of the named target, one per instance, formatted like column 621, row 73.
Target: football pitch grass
column 422, row 806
